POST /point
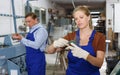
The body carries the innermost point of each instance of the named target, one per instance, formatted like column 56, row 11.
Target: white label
column 13, row 72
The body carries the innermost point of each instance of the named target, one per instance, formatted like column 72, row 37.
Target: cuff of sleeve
column 85, row 57
column 22, row 40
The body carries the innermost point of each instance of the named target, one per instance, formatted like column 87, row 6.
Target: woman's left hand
column 78, row 52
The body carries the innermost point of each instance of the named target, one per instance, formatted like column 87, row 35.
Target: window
column 37, row 12
column 43, row 16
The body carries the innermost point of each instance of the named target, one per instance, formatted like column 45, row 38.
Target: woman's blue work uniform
column 79, row 66
column 35, row 59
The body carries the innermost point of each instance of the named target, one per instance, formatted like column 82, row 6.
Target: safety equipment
column 61, row 42
column 78, row 52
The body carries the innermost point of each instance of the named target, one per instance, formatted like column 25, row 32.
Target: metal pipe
column 28, row 7
column 73, row 3
column 14, row 16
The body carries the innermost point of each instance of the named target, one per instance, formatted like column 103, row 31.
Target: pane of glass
column 43, row 16
column 37, row 12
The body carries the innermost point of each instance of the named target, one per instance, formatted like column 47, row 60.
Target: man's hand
column 78, row 52
column 61, row 42
column 16, row 37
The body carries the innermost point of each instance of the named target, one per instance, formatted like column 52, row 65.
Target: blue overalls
column 35, row 59
column 79, row 66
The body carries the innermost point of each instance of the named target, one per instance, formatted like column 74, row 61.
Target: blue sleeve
column 40, row 37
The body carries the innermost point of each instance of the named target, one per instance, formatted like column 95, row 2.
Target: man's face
column 30, row 22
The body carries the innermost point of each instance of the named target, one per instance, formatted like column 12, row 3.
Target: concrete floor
column 53, row 67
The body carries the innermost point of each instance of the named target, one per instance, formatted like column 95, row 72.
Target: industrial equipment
column 14, row 54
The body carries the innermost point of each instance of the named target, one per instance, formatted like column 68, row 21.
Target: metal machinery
column 113, row 60
column 12, row 53
column 15, row 55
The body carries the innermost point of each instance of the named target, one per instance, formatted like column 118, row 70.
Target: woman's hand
column 78, row 52
column 61, row 42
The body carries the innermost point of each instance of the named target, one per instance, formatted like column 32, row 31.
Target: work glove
column 78, row 52
column 61, row 42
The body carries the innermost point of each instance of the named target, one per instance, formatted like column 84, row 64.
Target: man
column 35, row 43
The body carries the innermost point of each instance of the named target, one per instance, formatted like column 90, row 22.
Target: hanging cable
column 73, row 3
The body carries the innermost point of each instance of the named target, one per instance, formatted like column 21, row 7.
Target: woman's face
column 81, row 19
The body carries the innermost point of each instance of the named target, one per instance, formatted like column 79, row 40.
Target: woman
column 86, row 55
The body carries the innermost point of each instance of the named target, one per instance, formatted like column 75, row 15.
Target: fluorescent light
column 95, row 12
column 42, row 9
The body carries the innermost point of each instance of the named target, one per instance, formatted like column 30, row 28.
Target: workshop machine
column 12, row 57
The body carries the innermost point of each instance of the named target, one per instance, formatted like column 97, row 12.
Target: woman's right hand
column 61, row 42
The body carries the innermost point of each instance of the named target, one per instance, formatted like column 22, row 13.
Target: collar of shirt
column 35, row 27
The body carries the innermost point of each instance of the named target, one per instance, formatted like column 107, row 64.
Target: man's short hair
column 31, row 14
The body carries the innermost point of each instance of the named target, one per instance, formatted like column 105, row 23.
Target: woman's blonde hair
column 86, row 11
